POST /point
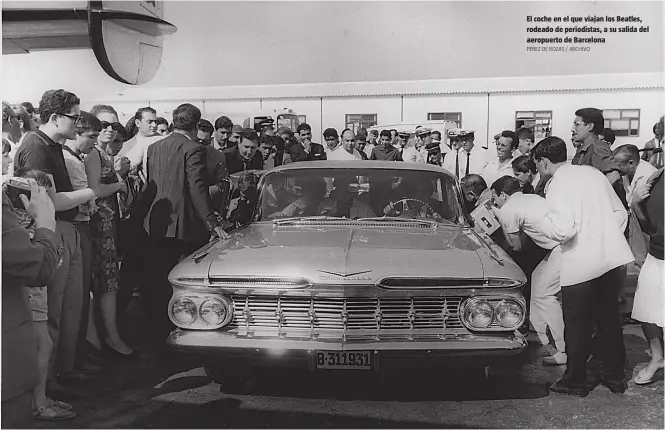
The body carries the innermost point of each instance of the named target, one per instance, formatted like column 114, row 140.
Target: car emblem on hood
column 353, row 276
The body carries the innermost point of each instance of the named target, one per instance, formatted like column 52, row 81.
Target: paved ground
column 169, row 390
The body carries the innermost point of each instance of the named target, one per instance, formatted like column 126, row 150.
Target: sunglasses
column 116, row 126
column 75, row 118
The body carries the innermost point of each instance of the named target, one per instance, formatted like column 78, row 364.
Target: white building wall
column 236, row 110
column 564, row 104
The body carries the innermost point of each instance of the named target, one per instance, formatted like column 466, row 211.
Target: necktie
column 468, row 154
column 457, row 164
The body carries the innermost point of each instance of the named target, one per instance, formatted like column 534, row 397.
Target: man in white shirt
column 331, row 138
column 525, row 139
column 635, row 173
column 500, row 166
column 136, row 148
column 417, row 152
column 347, row 150
column 587, row 218
column 520, row 214
column 465, row 157
column 635, row 170
column 373, row 137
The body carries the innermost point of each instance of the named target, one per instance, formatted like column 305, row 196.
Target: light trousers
column 545, row 308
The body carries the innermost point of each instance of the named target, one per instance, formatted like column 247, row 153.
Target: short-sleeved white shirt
column 340, row 153
column 524, row 212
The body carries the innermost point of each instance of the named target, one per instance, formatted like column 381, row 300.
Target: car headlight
column 200, row 311
column 213, row 311
column 508, row 314
column 183, row 311
column 478, row 313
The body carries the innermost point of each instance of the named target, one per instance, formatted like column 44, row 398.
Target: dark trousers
column 132, row 245
column 83, row 229
column 583, row 304
column 17, row 411
column 164, row 254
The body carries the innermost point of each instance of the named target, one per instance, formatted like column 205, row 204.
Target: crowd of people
column 112, row 209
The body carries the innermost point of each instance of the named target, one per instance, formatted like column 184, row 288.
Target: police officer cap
column 454, row 132
column 404, row 133
column 423, row 131
column 460, row 132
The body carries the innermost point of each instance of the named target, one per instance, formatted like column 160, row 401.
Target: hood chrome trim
column 281, row 282
column 407, row 283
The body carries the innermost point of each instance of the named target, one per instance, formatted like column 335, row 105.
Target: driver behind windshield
column 414, row 200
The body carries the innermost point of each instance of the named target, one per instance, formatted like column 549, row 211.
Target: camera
column 15, row 187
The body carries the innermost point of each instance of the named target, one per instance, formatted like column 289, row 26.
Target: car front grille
column 346, row 315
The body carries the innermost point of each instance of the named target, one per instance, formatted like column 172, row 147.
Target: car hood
column 349, row 254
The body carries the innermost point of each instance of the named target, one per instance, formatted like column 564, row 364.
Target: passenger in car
column 312, row 192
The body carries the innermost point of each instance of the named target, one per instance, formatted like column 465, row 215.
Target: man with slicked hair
column 586, row 217
column 176, row 209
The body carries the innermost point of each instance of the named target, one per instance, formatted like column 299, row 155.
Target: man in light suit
column 176, row 208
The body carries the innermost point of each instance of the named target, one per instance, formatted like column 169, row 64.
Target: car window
column 359, row 193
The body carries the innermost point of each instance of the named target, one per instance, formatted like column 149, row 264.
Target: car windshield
column 359, row 193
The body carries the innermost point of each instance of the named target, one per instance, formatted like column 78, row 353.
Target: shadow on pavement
column 228, row 413
column 413, row 386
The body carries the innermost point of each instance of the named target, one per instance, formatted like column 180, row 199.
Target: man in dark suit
column 244, row 156
column 306, row 150
column 179, row 217
column 25, row 262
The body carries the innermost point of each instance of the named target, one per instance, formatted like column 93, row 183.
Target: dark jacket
column 176, row 202
column 217, row 176
column 25, row 262
column 235, row 163
column 316, row 152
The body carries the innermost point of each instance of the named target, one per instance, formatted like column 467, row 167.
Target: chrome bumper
column 466, row 348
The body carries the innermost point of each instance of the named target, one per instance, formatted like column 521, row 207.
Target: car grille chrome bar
column 346, row 317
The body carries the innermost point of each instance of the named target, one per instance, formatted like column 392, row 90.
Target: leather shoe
column 615, row 387
column 557, row 359
column 560, row 388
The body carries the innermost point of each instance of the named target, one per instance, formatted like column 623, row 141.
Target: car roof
column 362, row 164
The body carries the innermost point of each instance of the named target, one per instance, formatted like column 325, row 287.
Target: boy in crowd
column 524, row 170
column 44, row 408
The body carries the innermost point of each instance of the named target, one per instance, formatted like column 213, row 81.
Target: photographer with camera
column 26, row 262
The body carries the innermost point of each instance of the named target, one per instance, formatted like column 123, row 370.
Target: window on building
column 624, row 122
column 455, row 117
column 357, row 121
column 540, row 121
column 302, row 119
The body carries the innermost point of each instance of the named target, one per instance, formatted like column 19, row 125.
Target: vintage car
column 349, row 265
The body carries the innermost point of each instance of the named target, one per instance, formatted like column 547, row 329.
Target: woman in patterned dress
column 103, row 178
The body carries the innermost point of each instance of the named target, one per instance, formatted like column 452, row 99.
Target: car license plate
column 359, row 360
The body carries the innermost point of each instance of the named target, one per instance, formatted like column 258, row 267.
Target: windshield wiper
column 305, row 218
column 392, row 218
